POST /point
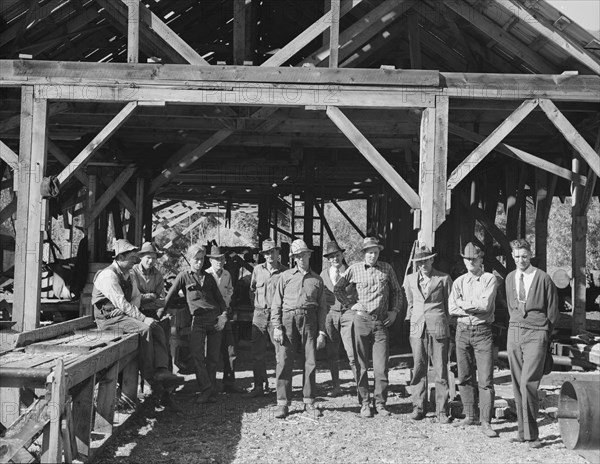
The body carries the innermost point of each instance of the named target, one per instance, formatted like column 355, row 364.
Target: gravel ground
column 238, row 430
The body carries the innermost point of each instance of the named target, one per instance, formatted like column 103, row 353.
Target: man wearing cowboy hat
column 116, row 300
column 262, row 287
column 379, row 299
column 298, row 315
column 340, row 318
column 427, row 291
column 472, row 302
column 228, row 349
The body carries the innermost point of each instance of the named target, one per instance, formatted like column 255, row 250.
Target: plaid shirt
column 377, row 286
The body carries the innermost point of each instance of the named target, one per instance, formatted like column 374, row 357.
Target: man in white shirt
column 340, row 318
column 115, row 301
column 228, row 350
column 472, row 303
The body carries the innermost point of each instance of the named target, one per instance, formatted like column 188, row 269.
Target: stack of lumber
column 586, row 347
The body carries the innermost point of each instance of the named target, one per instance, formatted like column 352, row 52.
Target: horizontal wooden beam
column 520, row 155
column 591, row 156
column 57, row 72
column 490, row 142
column 553, row 35
column 385, row 169
column 97, row 142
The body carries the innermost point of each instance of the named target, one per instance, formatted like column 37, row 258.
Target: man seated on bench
column 116, row 304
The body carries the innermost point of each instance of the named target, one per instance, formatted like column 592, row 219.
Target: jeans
column 299, row 327
column 371, row 337
column 338, row 326
column 474, row 353
column 228, row 353
column 261, row 332
column 153, row 351
column 204, row 332
column 424, row 347
column 526, row 355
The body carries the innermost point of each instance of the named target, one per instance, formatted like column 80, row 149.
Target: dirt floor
column 238, row 430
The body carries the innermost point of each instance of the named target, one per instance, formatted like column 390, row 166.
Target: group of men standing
column 355, row 306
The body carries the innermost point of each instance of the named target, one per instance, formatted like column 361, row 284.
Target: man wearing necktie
column 533, row 309
column 427, row 292
column 340, row 318
column 472, row 302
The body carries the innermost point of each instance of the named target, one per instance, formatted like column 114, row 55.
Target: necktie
column 336, row 275
column 522, row 297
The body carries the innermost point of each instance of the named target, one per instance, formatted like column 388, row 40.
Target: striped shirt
column 377, row 286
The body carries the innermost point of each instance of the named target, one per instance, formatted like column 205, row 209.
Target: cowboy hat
column 269, row 245
column 149, row 248
column 331, row 248
column 369, row 242
column 422, row 253
column 299, row 246
column 472, row 251
column 215, row 252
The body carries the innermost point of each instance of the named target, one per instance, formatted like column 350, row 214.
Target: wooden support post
column 105, row 403
column 324, row 222
column 83, row 403
column 432, row 169
column 90, row 225
column 239, row 31
column 115, row 212
column 130, row 383
column 148, row 218
column 515, row 175
column 139, row 211
column 579, row 228
column 263, row 218
column 53, row 452
column 544, row 186
column 308, row 197
column 30, row 211
column 133, row 30
column 334, row 34
column 414, row 41
column 10, row 405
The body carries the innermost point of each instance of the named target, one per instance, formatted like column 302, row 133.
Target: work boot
column 488, row 431
column 465, row 422
column 233, row 389
column 365, row 410
column 443, row 419
column 206, row 397
column 167, row 378
column 335, row 391
column 383, row 411
column 255, row 393
column 535, row 444
column 168, row 402
column 417, row 414
column 281, row 412
column 312, row 410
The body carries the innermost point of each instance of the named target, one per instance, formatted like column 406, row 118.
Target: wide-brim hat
column 331, row 248
column 422, row 253
column 148, row 248
column 472, row 251
column 369, row 242
column 269, row 245
column 299, row 246
column 215, row 253
column 123, row 246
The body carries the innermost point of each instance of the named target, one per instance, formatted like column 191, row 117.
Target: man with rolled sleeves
column 379, row 299
column 298, row 315
column 340, row 318
column 472, row 302
column 427, row 291
column 262, row 287
column 533, row 308
column 116, row 301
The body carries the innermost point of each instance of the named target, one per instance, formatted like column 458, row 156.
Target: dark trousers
column 438, row 352
column 153, row 351
column 299, row 328
column 228, row 353
column 475, row 357
column 338, row 326
column 371, row 338
column 526, row 355
column 204, row 333
column 261, row 333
